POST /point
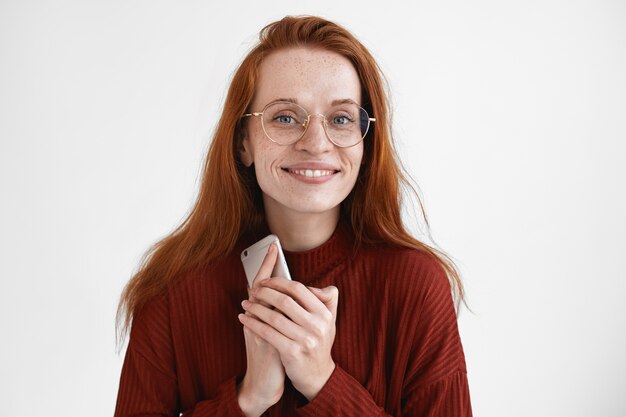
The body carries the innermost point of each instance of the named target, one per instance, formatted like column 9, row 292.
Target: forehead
column 313, row 77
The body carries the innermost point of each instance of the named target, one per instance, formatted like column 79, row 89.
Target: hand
column 301, row 326
column 264, row 382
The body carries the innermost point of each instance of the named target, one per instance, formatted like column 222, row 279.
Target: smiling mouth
column 311, row 173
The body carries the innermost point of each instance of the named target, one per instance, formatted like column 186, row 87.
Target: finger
column 265, row 271
column 282, row 302
column 275, row 319
column 266, row 332
column 329, row 296
column 251, row 339
column 297, row 291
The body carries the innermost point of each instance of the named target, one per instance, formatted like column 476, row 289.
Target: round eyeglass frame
column 307, row 122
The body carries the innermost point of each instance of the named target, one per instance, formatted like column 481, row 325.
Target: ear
column 245, row 151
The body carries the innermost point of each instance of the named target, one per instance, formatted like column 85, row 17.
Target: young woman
column 366, row 327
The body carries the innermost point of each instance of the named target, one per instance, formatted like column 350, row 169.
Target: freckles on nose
column 315, row 132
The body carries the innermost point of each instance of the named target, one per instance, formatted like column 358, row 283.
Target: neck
column 301, row 231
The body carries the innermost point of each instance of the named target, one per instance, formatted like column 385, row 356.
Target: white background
column 510, row 115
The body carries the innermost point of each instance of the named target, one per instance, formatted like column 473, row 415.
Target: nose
column 314, row 139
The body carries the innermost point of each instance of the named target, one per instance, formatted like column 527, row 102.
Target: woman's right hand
column 264, row 382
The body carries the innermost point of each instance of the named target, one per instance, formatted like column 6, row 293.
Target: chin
column 304, row 205
column 312, row 207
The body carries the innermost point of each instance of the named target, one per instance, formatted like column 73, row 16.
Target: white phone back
column 252, row 258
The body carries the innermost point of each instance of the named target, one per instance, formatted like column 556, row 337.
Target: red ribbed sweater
column 397, row 348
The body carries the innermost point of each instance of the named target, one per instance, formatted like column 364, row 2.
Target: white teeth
column 311, row 173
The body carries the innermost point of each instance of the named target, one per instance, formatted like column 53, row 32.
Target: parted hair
column 229, row 202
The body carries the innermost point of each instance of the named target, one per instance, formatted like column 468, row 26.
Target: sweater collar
column 310, row 265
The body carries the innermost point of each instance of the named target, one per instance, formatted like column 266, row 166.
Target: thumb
column 265, row 271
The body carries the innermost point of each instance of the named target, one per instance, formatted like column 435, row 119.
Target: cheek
column 267, row 157
column 257, row 144
column 354, row 157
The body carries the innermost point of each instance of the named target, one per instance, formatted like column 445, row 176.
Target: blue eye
column 341, row 120
column 284, row 119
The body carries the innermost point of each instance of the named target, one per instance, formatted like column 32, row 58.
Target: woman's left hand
column 301, row 327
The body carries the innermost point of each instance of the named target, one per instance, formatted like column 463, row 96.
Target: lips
column 311, row 173
column 311, row 170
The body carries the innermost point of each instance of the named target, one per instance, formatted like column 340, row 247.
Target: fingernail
column 245, row 303
column 240, row 316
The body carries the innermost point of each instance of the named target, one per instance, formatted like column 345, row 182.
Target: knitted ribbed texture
column 397, row 345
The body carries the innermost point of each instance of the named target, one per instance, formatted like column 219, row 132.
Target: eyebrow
column 334, row 102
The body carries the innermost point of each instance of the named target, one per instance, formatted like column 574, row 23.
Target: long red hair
column 229, row 203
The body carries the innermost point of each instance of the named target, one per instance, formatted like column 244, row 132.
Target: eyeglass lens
column 285, row 122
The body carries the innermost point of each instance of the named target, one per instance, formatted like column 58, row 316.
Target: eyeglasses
column 284, row 123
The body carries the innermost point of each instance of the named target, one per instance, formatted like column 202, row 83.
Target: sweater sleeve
column 435, row 382
column 436, row 379
column 342, row 396
column 148, row 383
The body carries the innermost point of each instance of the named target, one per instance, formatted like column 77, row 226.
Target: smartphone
column 252, row 258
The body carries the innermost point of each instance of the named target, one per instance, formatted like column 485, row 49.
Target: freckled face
column 314, row 78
